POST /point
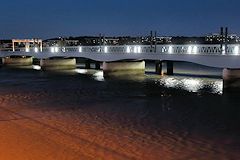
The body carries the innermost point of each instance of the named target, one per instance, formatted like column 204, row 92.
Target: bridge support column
column 97, row 65
column 123, row 68
column 231, row 78
column 58, row 63
column 87, row 64
column 169, row 67
column 17, row 61
column 158, row 67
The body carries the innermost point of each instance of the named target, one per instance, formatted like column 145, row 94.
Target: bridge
column 208, row 55
column 221, row 56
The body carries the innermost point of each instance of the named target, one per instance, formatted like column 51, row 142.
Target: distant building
column 60, row 42
column 217, row 38
column 6, row 45
column 125, row 40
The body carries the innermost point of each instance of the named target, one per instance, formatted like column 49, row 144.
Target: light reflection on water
column 97, row 75
column 193, row 84
column 81, row 71
column 36, row 67
column 190, row 84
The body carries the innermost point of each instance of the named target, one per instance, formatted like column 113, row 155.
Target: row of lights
column 135, row 49
column 190, row 49
column 194, row 50
column 80, row 49
column 54, row 49
column 138, row 49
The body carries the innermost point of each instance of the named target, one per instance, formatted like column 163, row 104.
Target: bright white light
column 128, row 49
column 135, row 49
column 36, row 67
column 236, row 50
column 80, row 49
column 224, row 49
column 139, row 50
column 81, row 71
column 27, row 50
column 170, row 82
column 189, row 50
column 218, row 87
column 105, row 49
column 170, row 49
column 195, row 49
column 99, row 76
column 36, row 49
column 192, row 85
column 52, row 49
column 56, row 49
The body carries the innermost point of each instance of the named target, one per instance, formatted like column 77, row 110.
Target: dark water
column 151, row 116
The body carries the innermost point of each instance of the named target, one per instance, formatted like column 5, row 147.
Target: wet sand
column 32, row 133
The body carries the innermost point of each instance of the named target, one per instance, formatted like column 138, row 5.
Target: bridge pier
column 97, row 65
column 87, row 64
column 58, row 63
column 169, row 67
column 123, row 68
column 17, row 61
column 231, row 78
column 158, row 67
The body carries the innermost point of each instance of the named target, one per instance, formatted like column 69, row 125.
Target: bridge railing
column 159, row 49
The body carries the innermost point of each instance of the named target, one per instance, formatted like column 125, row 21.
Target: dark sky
column 51, row 18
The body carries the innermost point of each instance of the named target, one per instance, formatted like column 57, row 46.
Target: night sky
column 52, row 18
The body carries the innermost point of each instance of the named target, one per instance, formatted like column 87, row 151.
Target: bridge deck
column 208, row 55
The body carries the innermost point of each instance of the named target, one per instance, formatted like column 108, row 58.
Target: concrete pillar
column 123, row 68
column 58, row 63
column 97, row 65
column 158, row 67
column 87, row 64
column 15, row 61
column 231, row 78
column 169, row 67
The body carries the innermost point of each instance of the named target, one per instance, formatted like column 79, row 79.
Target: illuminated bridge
column 221, row 56
column 209, row 55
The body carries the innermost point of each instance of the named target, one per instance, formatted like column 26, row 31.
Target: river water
column 148, row 117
